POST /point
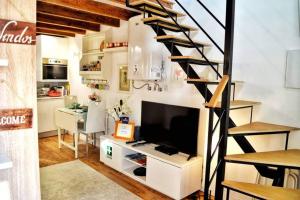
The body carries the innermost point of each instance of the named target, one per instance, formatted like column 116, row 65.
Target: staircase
column 269, row 164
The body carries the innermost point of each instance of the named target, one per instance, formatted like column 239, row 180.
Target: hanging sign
column 17, row 32
column 14, row 119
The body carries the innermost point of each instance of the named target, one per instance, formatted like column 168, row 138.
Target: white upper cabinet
column 50, row 47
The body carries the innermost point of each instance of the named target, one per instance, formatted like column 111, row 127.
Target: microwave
column 54, row 69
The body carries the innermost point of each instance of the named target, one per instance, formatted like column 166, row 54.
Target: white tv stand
column 173, row 175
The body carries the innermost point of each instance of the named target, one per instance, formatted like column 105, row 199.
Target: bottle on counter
column 67, row 89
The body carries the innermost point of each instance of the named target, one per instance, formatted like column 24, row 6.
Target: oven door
column 55, row 72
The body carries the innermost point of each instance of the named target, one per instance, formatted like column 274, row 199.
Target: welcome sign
column 14, row 119
column 17, row 32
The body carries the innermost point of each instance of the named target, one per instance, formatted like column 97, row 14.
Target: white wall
column 178, row 92
column 18, row 90
column 265, row 30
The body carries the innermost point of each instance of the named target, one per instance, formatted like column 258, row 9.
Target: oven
column 55, row 69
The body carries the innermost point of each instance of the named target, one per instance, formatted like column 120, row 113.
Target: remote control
column 139, row 144
column 133, row 141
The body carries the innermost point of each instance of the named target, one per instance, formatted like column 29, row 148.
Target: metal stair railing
column 211, row 130
column 211, row 14
column 223, row 113
column 200, row 27
column 187, row 36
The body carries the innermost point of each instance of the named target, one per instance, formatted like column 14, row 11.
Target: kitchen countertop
column 47, row 98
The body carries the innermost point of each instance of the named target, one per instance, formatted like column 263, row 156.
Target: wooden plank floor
column 50, row 154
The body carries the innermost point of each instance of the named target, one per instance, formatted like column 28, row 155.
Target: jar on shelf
column 98, row 66
column 110, row 45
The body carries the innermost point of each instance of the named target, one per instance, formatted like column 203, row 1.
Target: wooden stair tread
column 194, row 60
column 166, row 23
column 154, row 8
column 260, row 127
column 208, row 81
column 200, row 80
column 180, row 40
column 262, row 191
column 288, row 158
column 239, row 103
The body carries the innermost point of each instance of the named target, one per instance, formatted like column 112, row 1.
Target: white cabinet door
column 111, row 154
column 164, row 177
column 54, row 47
column 46, row 110
column 50, row 47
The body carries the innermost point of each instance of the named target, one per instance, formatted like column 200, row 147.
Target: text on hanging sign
column 17, row 32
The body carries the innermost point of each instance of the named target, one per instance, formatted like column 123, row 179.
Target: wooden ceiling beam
column 60, row 28
column 95, row 7
column 165, row 3
column 43, row 7
column 43, row 31
column 61, row 21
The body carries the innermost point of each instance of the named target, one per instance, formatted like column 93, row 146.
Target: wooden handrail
column 214, row 99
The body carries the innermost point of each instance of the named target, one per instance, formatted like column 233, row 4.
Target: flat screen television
column 173, row 126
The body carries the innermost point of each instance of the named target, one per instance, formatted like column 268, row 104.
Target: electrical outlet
column 3, row 62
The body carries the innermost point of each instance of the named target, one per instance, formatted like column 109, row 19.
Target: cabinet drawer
column 164, row 177
column 111, row 154
column 46, row 117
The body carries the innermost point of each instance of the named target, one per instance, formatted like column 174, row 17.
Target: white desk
column 67, row 119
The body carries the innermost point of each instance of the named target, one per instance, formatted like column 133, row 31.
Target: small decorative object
column 102, row 45
column 178, row 74
column 110, row 45
column 53, row 92
column 124, row 131
column 98, row 66
column 124, row 119
column 124, row 82
column 94, row 96
column 120, row 111
column 74, row 106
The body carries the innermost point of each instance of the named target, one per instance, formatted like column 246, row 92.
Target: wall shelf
column 134, row 162
column 84, row 73
column 115, row 49
column 100, row 53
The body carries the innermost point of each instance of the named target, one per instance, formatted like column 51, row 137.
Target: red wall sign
column 14, row 119
column 17, row 32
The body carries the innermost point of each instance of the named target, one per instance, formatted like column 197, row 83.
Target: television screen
column 170, row 125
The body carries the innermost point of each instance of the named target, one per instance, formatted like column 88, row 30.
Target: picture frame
column 292, row 69
column 124, row 82
column 299, row 15
column 124, row 131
